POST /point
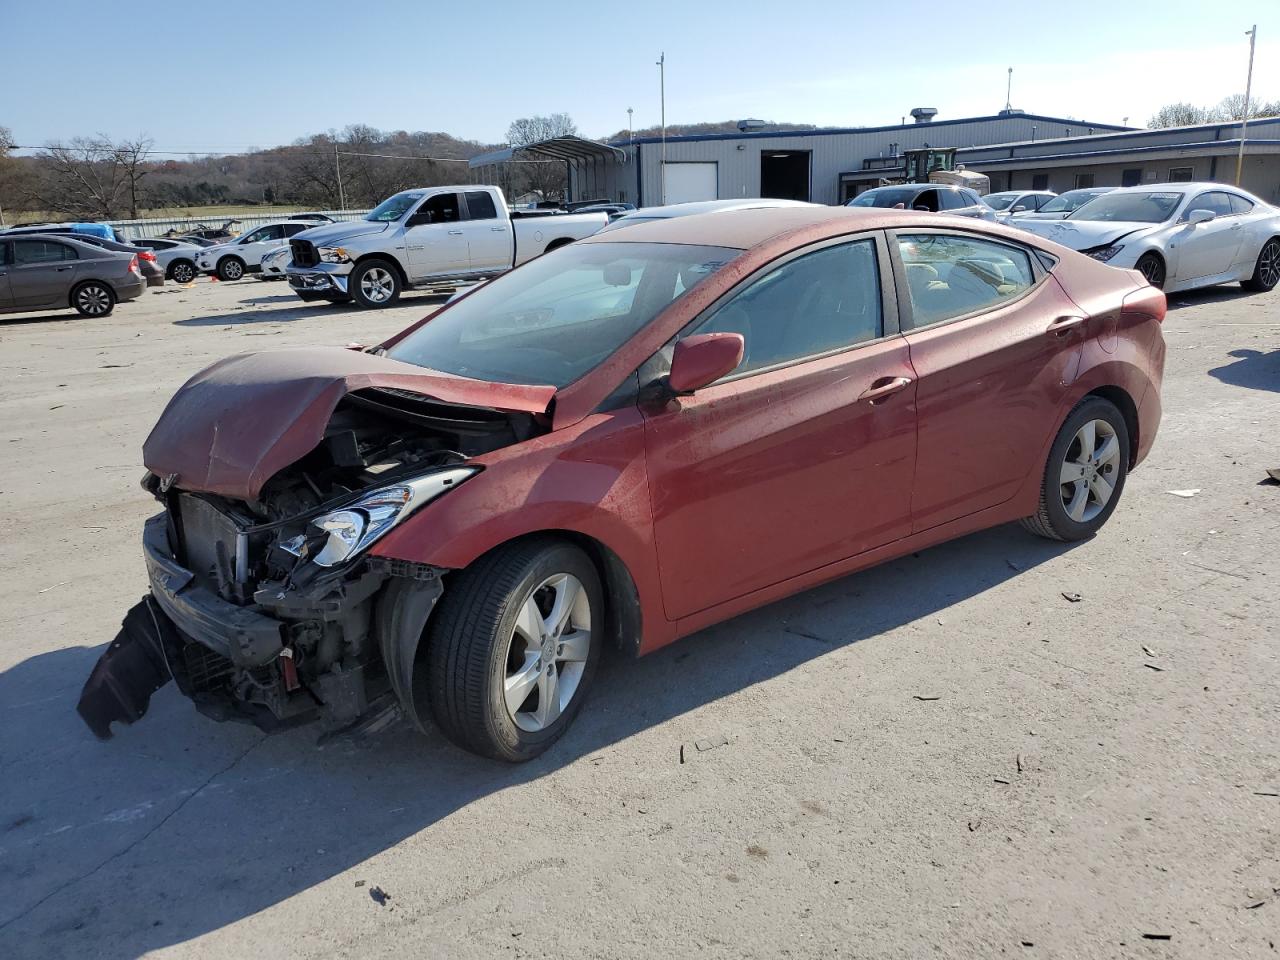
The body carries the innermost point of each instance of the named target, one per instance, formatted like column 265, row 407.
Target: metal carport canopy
column 569, row 149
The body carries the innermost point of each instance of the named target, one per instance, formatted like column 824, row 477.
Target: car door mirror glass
column 703, row 359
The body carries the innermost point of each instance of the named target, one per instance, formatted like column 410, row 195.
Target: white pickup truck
column 428, row 237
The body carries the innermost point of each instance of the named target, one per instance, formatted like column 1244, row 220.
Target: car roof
column 745, row 228
column 74, row 239
column 694, row 207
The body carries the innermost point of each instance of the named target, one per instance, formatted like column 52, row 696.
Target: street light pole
column 662, row 99
column 1008, row 91
column 629, row 136
column 1248, row 89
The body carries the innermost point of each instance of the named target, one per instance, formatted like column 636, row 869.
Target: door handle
column 894, row 384
column 1065, row 324
column 61, row 269
column 498, row 229
column 455, row 233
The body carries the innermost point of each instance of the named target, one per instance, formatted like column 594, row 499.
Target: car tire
column 1266, row 272
column 374, row 284
column 93, row 298
column 1151, row 266
column 182, row 271
column 503, row 681
column 1077, row 509
column 230, row 268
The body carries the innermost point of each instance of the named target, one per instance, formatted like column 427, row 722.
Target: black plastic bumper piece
column 129, row 672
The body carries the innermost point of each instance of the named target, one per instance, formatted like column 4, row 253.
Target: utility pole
column 629, row 136
column 662, row 100
column 1008, row 91
column 337, row 162
column 1248, row 89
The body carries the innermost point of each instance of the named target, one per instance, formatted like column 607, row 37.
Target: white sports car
column 1178, row 235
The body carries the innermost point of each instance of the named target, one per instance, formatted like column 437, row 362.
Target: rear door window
column 1239, row 204
column 815, row 304
column 951, row 276
column 27, row 252
column 480, row 205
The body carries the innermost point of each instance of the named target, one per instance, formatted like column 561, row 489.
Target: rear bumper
column 130, row 290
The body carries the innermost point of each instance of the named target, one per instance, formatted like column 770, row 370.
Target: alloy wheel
column 1269, row 263
column 93, row 300
column 1153, row 270
column 547, row 652
column 184, row 273
column 232, row 270
column 1089, row 471
column 377, row 285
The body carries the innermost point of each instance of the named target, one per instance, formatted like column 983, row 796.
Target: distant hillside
column 693, row 129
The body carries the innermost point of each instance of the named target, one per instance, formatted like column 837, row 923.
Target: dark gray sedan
column 49, row 273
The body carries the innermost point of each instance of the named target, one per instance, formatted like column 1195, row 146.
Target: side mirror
column 1020, row 208
column 1200, row 216
column 704, row 358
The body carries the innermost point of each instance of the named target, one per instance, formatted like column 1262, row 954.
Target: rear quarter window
column 950, row 276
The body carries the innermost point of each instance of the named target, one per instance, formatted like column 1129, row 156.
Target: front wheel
column 1151, row 266
column 513, row 648
column 1085, row 475
column 93, row 299
column 230, row 268
column 1266, row 272
column 374, row 284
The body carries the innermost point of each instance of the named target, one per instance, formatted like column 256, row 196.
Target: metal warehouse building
column 1130, row 158
column 822, row 166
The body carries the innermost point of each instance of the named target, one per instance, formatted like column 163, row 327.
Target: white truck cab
column 425, row 237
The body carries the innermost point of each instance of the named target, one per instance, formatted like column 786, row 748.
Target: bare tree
column 1229, row 108
column 1178, row 115
column 547, row 178
column 93, row 178
column 1232, row 108
column 131, row 156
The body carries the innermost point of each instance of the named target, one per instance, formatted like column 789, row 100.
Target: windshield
column 885, row 197
column 1129, row 207
column 558, row 316
column 1000, row 201
column 393, row 208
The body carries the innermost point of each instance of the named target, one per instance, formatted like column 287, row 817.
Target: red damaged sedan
column 619, row 444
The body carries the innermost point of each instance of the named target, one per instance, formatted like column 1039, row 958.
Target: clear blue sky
column 225, row 75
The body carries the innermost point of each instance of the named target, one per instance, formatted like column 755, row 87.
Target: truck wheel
column 513, row 647
column 374, row 284
column 230, row 268
column 182, row 271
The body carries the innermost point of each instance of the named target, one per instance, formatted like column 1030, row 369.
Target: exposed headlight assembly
column 334, row 538
column 1106, row 253
column 333, row 254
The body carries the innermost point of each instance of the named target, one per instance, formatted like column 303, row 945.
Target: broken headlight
column 335, row 537
column 333, row 254
column 1105, row 253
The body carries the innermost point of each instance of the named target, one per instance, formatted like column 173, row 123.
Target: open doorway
column 784, row 174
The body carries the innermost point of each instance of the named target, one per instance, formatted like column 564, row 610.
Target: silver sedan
column 1178, row 235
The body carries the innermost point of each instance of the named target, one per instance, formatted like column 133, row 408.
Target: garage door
column 690, row 181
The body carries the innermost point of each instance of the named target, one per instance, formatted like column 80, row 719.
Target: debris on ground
column 1072, row 597
column 380, row 896
column 1266, row 793
column 361, row 883
column 999, row 780
column 1152, row 666
column 1157, row 936
column 1186, row 494
column 711, row 743
column 1273, row 476
column 1018, row 759
column 925, row 699
column 1148, row 651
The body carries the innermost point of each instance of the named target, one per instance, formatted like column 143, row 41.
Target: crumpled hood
column 235, row 424
column 342, row 230
column 1084, row 234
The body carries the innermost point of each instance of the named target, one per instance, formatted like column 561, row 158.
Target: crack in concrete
column 146, row 836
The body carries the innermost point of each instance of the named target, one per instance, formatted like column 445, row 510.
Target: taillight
column 1146, row 303
column 133, row 264
column 147, row 255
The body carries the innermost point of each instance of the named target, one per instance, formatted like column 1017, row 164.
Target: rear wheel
column 1151, row 266
column 1085, row 474
column 1266, row 272
column 374, row 284
column 93, row 299
column 513, row 648
column 182, row 271
column 230, row 268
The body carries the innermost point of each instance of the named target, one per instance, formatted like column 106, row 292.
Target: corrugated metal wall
column 738, row 158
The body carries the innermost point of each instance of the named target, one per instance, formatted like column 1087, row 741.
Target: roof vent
column 746, row 126
column 923, row 114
